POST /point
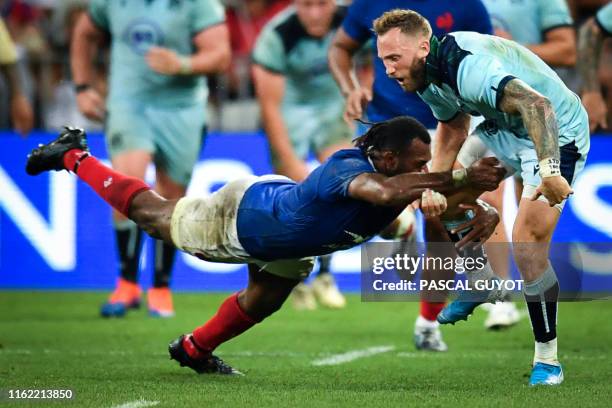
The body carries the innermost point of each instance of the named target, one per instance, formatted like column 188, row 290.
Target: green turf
column 56, row 340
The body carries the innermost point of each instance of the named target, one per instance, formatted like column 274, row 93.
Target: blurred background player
column 302, row 109
column 155, row 110
column 592, row 36
column 545, row 28
column 386, row 99
column 21, row 115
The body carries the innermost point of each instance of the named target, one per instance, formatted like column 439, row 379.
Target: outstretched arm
column 541, row 123
column 403, row 189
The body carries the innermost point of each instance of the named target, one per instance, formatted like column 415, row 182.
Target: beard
column 417, row 77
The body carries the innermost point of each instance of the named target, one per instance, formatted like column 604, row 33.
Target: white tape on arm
column 550, row 167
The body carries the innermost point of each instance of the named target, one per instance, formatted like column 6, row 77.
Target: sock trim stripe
column 546, row 326
column 242, row 313
column 196, row 345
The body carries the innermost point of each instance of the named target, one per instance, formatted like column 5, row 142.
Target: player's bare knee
column 152, row 213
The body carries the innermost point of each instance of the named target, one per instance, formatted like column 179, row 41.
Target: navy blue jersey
column 389, row 99
column 279, row 219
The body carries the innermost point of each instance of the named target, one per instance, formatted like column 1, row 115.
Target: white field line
column 141, row 403
column 351, row 355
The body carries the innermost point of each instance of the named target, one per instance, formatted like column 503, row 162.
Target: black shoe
column 209, row 365
column 50, row 156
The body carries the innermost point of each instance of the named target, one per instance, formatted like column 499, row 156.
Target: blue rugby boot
column 546, row 374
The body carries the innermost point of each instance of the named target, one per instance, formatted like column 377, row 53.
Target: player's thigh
column 295, row 269
column 206, row 227
column 178, row 140
column 129, row 140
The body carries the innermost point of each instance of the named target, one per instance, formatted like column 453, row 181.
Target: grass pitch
column 55, row 340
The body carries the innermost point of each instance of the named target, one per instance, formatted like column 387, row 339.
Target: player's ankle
column 425, row 323
column 193, row 350
column 546, row 352
column 72, row 158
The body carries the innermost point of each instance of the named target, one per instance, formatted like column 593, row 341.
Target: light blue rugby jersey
column 137, row 25
column 467, row 72
column 604, row 18
column 528, row 20
column 286, row 48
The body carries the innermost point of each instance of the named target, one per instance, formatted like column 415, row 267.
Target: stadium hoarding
column 55, row 233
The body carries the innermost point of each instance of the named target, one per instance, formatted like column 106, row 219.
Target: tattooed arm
column 589, row 50
column 539, row 119
column 538, row 116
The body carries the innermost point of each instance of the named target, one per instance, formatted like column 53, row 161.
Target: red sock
column 430, row 310
column 229, row 321
column 115, row 188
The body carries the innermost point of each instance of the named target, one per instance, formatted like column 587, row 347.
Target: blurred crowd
column 41, row 31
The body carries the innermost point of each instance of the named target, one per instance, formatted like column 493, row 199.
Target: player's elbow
column 389, row 196
column 544, row 104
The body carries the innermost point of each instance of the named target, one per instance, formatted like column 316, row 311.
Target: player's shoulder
column 349, row 158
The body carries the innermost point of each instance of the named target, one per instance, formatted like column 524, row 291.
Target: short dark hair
column 393, row 134
column 408, row 21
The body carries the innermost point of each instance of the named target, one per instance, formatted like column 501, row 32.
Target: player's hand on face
column 597, row 109
column 163, row 61
column 91, row 104
column 21, row 114
column 555, row 189
column 485, row 174
column 356, row 101
column 483, row 225
column 433, row 204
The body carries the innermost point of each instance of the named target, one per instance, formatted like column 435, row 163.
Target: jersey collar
column 432, row 64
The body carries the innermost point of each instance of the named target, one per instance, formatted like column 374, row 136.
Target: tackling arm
column 403, row 189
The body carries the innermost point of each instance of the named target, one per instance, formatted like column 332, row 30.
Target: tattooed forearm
column 537, row 114
column 590, row 42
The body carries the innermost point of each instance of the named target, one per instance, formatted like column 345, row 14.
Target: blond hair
column 408, row 21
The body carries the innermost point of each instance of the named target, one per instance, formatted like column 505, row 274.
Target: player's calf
column 130, row 196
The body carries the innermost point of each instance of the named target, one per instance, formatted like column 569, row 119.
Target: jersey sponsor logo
column 142, row 34
column 445, row 22
column 536, row 168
